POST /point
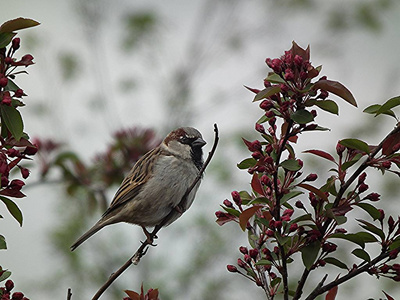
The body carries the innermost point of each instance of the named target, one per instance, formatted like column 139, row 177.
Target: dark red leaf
column 332, row 293
column 321, row 153
column 256, row 184
column 388, row 296
column 313, row 189
column 133, row 295
column 297, row 50
column 389, row 143
column 12, row 193
column 336, row 88
column 247, row 214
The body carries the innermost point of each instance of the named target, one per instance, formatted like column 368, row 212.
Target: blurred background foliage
column 145, row 66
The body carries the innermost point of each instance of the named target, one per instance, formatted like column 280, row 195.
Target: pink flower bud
column 220, row 214
column 19, row 93
column 16, row 43
column 260, row 128
column 363, row 187
column 24, row 172
column 299, row 204
column 362, row 178
column 231, row 268
column 340, row 149
column 3, row 81
column 253, row 253
column 8, row 60
column 298, row 60
column 256, row 155
column 311, row 177
column 12, row 152
column 4, row 181
column 373, row 197
column 17, row 184
column 386, row 164
column 17, row 296
column 293, row 227
column 9, row 285
column 30, row 150
column 382, row 214
column 266, row 105
column 394, row 253
column 243, row 250
column 236, row 197
column 247, row 258
column 241, row 263
column 269, row 233
column 289, row 75
column 227, row 203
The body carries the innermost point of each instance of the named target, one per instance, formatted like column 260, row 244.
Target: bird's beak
column 198, row 143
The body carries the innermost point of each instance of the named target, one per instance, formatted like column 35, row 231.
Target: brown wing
column 133, row 182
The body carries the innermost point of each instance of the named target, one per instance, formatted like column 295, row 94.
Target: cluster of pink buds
column 6, row 292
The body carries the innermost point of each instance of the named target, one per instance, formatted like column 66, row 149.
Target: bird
column 156, row 184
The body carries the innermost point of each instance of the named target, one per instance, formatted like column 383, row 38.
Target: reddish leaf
column 225, row 219
column 248, row 143
column 321, row 153
column 153, row 295
column 133, row 295
column 297, row 50
column 336, row 88
column 332, row 293
column 256, row 184
column 389, row 143
column 246, row 215
column 12, row 193
column 313, row 189
column 388, row 296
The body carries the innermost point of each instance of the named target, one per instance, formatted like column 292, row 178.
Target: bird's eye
column 185, row 139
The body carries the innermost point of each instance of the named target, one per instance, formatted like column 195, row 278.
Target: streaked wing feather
column 134, row 181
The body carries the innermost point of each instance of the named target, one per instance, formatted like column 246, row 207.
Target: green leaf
column 275, row 281
column 247, row 163
column 395, row 244
column 11, row 86
column 309, row 254
column 6, row 38
column 302, row 116
column 231, row 211
column 5, row 275
column 13, row 120
column 352, row 237
column 360, row 253
column 267, row 92
column 291, row 165
column 388, row 105
column 335, row 262
column 3, row 244
column 13, row 209
column 370, row 209
column 372, row 228
column 328, row 105
column 17, row 24
column 372, row 109
column 274, row 78
column 336, row 88
column 263, row 119
column 263, row 262
column 355, row 144
column 289, row 196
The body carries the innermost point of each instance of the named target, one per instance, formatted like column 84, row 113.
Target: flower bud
column 298, row 60
column 394, row 253
column 8, row 60
column 362, row 178
column 293, row 227
column 382, row 214
column 253, row 253
column 256, row 155
column 299, row 204
column 260, row 128
column 17, row 296
column 16, row 43
column 30, row 150
column 9, row 285
column 19, row 93
column 24, row 172
column 373, row 197
column 241, row 263
column 231, row 268
column 227, row 203
column 17, row 184
column 362, row 188
column 243, row 250
column 247, row 258
column 340, row 149
column 386, row 164
column 220, row 214
column 289, row 75
column 266, row 105
column 3, row 81
column 311, row 177
column 236, row 198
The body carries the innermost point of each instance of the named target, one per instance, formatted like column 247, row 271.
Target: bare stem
column 135, row 259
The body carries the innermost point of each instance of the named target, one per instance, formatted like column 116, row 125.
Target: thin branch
column 69, row 294
column 320, row 290
column 135, row 259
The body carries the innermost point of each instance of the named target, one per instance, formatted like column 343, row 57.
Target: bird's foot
column 149, row 237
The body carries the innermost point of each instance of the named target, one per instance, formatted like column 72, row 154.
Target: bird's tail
column 96, row 227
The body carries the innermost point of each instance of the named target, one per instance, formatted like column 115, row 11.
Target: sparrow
column 156, row 184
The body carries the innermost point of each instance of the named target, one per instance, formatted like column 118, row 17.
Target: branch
column 320, row 290
column 135, row 259
column 69, row 294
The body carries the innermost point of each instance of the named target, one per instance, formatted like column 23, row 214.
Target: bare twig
column 135, row 259
column 69, row 294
